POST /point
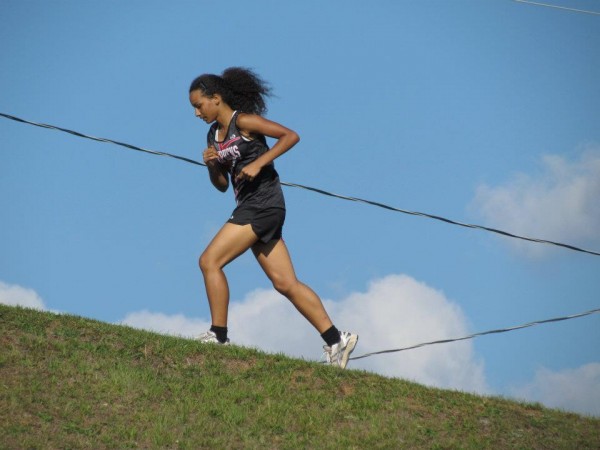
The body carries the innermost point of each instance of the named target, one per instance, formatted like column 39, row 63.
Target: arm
column 218, row 174
column 254, row 124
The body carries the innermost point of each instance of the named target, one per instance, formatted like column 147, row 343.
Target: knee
column 206, row 263
column 285, row 285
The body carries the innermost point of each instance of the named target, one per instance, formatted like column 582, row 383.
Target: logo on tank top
column 228, row 150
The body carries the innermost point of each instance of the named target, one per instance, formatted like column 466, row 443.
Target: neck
column 224, row 117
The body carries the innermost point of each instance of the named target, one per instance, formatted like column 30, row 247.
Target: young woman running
column 238, row 153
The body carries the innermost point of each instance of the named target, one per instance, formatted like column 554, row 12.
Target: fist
column 210, row 156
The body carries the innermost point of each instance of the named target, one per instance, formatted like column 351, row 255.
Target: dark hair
column 240, row 88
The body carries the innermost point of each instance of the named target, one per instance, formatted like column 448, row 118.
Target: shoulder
column 255, row 125
column 210, row 135
column 249, row 125
column 245, row 120
column 212, row 130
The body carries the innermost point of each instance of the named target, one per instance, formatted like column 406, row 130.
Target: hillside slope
column 69, row 382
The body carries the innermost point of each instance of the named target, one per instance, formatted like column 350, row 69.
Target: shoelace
column 326, row 354
column 207, row 337
column 330, row 357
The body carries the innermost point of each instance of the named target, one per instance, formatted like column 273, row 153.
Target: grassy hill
column 69, row 382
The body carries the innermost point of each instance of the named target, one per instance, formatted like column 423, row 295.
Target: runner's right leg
column 229, row 243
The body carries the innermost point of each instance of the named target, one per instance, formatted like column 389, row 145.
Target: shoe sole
column 213, row 343
column 349, row 349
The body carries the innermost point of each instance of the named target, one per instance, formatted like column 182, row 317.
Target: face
column 205, row 108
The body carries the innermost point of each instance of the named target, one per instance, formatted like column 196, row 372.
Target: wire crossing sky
column 482, row 333
column 547, row 5
column 319, row 191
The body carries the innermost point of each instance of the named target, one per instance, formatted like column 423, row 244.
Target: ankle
column 221, row 333
column 331, row 336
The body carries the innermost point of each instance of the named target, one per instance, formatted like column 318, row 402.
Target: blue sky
column 483, row 112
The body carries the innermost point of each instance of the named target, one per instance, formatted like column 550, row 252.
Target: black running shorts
column 266, row 223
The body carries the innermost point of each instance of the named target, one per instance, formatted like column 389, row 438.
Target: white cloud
column 395, row 311
column 177, row 325
column 14, row 295
column 560, row 203
column 570, row 389
column 398, row 311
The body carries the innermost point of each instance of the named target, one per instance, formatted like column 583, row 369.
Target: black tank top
column 235, row 152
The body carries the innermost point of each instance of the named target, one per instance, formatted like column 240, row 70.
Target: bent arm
column 254, row 124
column 219, row 176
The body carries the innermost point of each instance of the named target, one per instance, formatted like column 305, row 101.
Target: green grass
column 69, row 382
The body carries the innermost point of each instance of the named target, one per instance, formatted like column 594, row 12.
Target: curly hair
column 241, row 88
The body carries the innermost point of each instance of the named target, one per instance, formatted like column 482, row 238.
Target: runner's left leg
column 275, row 260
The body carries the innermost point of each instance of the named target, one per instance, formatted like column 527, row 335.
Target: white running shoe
column 338, row 354
column 210, row 337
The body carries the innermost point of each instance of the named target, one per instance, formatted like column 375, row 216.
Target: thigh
column 231, row 241
column 275, row 260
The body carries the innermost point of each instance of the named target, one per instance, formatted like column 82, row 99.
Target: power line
column 483, row 333
column 316, row 190
column 110, row 141
column 559, row 7
column 443, row 219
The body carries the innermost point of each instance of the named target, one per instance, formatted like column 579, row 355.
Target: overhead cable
column 110, row 141
column 559, row 7
column 313, row 189
column 483, row 333
column 443, row 219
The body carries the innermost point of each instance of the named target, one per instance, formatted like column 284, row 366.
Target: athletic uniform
column 260, row 202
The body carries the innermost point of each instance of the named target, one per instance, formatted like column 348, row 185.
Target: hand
column 210, row 156
column 249, row 172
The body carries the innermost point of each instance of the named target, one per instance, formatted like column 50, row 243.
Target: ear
column 217, row 99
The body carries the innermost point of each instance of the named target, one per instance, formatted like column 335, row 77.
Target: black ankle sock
column 221, row 333
column 331, row 336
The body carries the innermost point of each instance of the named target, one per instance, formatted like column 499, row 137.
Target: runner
column 238, row 154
